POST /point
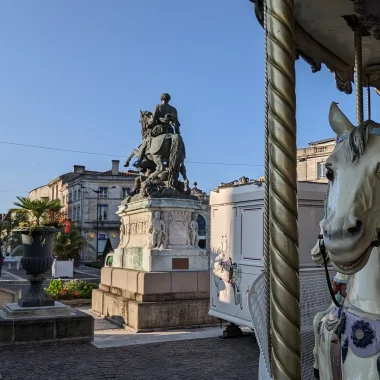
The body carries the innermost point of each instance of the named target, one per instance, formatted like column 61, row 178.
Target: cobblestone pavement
column 197, row 359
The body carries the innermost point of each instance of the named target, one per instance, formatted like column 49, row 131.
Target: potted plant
column 37, row 236
column 67, row 248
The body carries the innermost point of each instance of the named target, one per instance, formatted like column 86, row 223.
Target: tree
column 108, row 248
column 68, row 245
column 40, row 211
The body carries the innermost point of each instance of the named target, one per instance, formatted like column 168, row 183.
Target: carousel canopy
column 325, row 35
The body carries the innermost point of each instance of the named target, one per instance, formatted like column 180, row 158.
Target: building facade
column 311, row 160
column 91, row 199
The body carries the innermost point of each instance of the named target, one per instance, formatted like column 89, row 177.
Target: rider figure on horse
column 164, row 118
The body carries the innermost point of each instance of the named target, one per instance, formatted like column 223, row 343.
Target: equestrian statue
column 347, row 334
column 162, row 151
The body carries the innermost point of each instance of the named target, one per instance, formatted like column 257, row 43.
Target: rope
column 368, row 100
column 359, row 75
column 266, row 189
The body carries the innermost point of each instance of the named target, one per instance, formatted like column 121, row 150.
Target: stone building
column 41, row 193
column 311, row 160
column 91, row 199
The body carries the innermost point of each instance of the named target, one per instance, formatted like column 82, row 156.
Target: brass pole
column 266, row 189
column 285, row 292
column 359, row 75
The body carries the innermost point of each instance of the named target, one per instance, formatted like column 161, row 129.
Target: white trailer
column 237, row 243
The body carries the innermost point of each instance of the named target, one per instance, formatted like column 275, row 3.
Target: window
column 79, row 193
column 126, row 191
column 103, row 192
column 201, row 232
column 75, row 195
column 201, row 225
column 78, row 213
column 70, row 196
column 321, row 170
column 74, row 212
column 103, row 212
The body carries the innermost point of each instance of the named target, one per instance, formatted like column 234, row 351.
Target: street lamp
column 97, row 215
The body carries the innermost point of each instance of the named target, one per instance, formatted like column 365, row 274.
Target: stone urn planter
column 37, row 259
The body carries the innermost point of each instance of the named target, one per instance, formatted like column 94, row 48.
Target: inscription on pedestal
column 180, row 263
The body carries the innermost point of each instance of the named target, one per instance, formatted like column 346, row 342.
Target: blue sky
column 74, row 75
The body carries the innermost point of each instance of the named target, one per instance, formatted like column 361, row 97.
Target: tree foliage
column 108, row 248
column 40, row 212
column 69, row 245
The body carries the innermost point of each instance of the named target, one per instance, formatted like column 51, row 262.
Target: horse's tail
column 175, row 158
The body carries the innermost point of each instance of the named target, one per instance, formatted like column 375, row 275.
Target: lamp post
column 97, row 215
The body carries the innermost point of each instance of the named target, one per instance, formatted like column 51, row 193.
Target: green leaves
column 38, row 209
column 68, row 245
column 59, row 289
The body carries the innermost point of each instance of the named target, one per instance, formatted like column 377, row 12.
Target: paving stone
column 198, row 359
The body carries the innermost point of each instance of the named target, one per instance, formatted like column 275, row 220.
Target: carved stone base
column 161, row 260
column 145, row 301
column 156, row 234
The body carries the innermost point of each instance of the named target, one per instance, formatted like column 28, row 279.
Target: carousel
column 341, row 341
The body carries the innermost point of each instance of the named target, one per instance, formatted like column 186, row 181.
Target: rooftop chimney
column 79, row 169
column 115, row 167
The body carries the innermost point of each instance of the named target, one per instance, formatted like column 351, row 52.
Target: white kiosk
column 237, row 243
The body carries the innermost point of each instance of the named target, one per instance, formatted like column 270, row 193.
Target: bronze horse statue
column 164, row 155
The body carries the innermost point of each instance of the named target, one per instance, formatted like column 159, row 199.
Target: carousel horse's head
column 352, row 213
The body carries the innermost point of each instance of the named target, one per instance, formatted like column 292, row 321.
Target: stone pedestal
column 159, row 277
column 146, row 301
column 20, row 325
column 156, row 236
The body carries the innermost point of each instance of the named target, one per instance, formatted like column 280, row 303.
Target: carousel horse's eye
column 329, row 174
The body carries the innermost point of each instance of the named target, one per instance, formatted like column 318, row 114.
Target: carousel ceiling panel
column 331, row 22
column 324, row 35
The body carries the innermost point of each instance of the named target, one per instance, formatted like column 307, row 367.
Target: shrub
column 67, row 245
column 59, row 290
column 54, row 288
column 108, row 248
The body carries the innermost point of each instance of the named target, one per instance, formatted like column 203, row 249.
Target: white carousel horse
column 347, row 345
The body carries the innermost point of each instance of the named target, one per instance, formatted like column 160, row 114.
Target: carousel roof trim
column 324, row 35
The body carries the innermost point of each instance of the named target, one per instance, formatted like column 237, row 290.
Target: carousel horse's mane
column 358, row 140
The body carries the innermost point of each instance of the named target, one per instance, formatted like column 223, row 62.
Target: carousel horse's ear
column 338, row 121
